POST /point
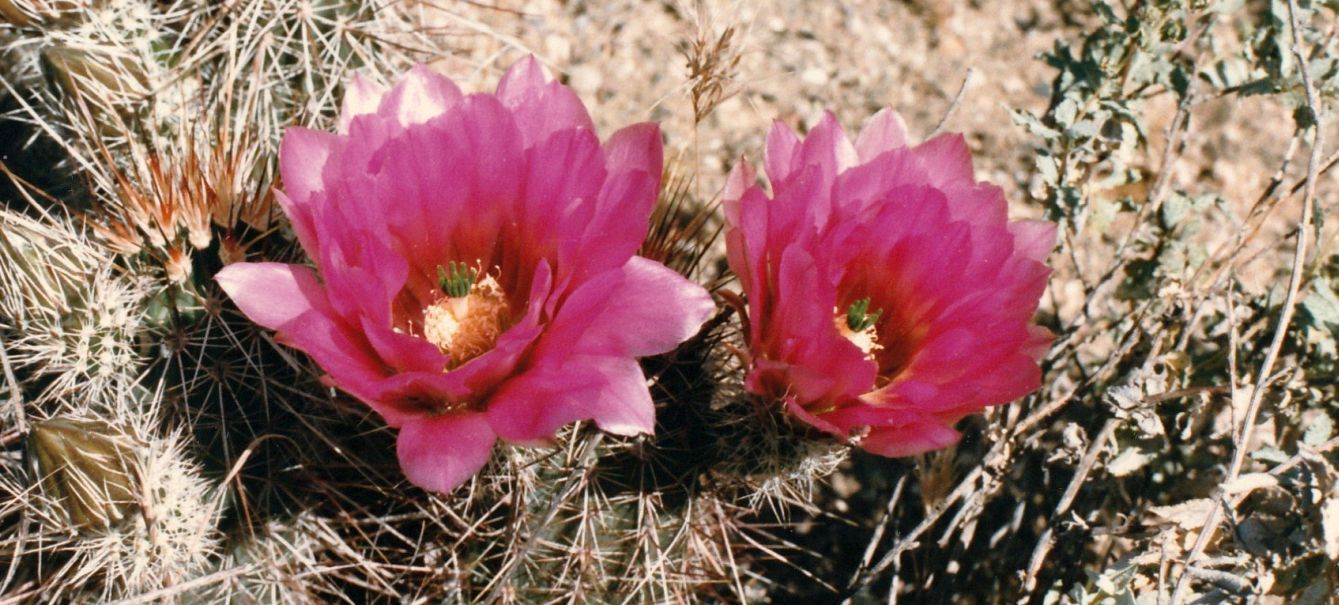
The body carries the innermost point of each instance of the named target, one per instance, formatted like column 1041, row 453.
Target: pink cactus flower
column 476, row 275
column 888, row 294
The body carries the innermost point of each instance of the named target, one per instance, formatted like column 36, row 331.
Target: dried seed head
column 170, row 203
column 712, row 63
column 85, row 467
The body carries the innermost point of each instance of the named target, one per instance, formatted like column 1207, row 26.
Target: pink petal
column 801, row 332
column 884, row 132
column 564, row 178
column 272, row 294
column 617, row 227
column 524, row 80
column 541, row 106
column 643, row 308
column 801, row 210
column 947, row 159
column 361, row 96
column 361, row 270
column 980, row 204
column 418, row 395
column 803, row 174
column 286, row 298
column 1033, row 239
column 636, row 148
column 741, row 178
column 854, row 414
column 1038, row 342
column 909, row 440
column 483, row 133
column 746, row 243
column 363, row 154
column 865, row 188
column 302, row 158
column 421, row 95
column 344, row 354
column 610, row 390
column 439, row 453
column 782, row 147
column 827, row 146
column 738, row 257
column 446, row 187
column 466, row 383
column 304, row 225
column 403, row 352
column 812, row 420
column 622, row 211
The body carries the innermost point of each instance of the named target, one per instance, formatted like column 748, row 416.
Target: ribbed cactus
column 271, row 563
column 105, row 511
column 168, row 119
column 71, row 320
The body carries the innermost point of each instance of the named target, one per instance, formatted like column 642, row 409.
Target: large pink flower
column 477, row 277
column 888, row 293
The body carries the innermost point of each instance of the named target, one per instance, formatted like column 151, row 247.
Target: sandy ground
column 796, row 59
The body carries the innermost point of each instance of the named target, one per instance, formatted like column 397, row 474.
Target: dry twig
column 1286, row 312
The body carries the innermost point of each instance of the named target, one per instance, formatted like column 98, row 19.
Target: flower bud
column 99, row 73
column 85, row 467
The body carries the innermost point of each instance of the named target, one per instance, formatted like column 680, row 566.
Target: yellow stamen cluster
column 468, row 326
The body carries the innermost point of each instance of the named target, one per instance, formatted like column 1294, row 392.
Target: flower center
column 859, row 326
column 466, row 322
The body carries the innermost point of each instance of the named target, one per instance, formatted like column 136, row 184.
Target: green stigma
column 858, row 317
column 456, row 279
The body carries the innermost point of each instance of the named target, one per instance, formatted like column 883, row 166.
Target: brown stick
column 1047, row 540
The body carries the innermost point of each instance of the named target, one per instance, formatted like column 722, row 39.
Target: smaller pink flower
column 476, row 277
column 888, row 293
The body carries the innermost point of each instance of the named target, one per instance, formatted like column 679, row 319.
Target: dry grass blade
column 684, row 231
